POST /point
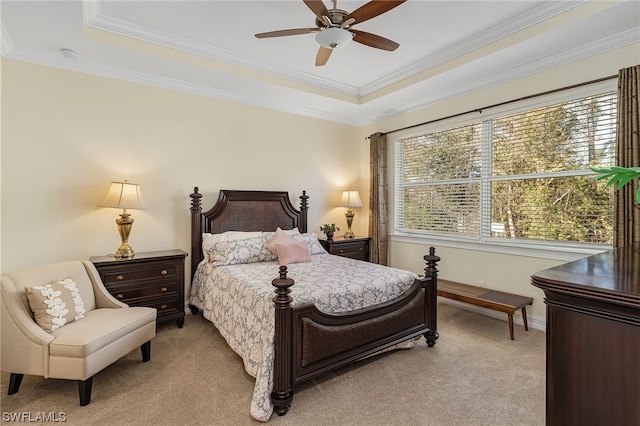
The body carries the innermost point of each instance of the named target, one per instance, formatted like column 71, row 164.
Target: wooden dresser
column 355, row 248
column 153, row 279
column 593, row 339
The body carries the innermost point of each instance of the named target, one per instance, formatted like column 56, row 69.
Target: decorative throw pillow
column 234, row 252
column 294, row 231
column 292, row 252
column 56, row 304
column 280, row 237
column 288, row 249
column 312, row 241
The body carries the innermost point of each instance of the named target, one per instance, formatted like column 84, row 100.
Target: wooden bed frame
column 309, row 342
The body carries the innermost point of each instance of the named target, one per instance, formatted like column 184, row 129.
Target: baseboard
column 533, row 322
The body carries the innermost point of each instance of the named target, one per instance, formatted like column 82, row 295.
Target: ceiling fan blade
column 317, row 7
column 323, row 56
column 372, row 9
column 293, row 31
column 373, row 40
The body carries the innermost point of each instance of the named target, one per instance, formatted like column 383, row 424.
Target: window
column 516, row 176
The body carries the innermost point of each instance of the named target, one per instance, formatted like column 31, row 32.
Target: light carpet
column 475, row 375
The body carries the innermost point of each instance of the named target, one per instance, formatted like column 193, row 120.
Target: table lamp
column 124, row 195
column 350, row 199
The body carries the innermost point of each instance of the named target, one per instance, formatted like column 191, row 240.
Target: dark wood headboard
column 243, row 211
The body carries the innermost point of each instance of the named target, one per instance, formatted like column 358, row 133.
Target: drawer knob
column 163, row 272
column 119, row 278
column 341, row 251
column 163, row 289
column 120, row 296
column 361, row 248
column 163, row 306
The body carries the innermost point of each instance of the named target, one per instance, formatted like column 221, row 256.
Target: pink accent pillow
column 293, row 253
column 279, row 238
column 287, row 249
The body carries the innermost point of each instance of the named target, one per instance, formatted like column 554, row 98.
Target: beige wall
column 501, row 271
column 66, row 135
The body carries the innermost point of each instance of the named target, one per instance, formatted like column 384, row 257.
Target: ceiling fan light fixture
column 334, row 37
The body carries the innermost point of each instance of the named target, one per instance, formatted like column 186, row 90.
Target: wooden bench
column 492, row 299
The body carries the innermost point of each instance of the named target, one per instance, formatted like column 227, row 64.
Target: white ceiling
column 447, row 48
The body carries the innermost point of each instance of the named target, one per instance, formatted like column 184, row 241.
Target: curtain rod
column 611, row 77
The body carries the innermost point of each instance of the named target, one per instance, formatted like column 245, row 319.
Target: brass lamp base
column 124, row 229
column 124, row 252
column 349, row 214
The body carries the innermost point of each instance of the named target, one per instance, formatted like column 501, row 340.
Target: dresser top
column 612, row 275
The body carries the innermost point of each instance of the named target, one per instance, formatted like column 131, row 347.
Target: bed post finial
column 431, row 294
column 282, row 393
column 304, row 208
column 431, row 260
column 196, row 199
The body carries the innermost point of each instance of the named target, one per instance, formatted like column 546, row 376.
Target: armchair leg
column 14, row 383
column 146, row 351
column 84, row 388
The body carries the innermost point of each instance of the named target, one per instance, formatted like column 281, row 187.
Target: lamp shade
column 350, row 199
column 123, row 195
column 333, row 37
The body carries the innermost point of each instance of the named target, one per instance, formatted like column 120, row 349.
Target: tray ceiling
column 447, row 48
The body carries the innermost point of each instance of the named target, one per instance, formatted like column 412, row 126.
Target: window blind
column 517, row 176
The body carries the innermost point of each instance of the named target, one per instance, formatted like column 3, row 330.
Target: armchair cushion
column 99, row 329
column 56, row 304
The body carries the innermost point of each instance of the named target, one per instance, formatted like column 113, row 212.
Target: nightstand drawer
column 354, row 248
column 165, row 307
column 152, row 279
column 126, row 292
column 149, row 272
column 345, row 249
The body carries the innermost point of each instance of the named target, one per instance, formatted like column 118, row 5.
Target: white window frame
column 562, row 251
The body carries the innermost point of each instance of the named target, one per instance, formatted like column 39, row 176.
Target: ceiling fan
column 334, row 27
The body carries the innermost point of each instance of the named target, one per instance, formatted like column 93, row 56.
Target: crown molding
column 525, row 70
column 5, row 43
column 96, row 20
column 559, row 59
column 541, row 13
column 359, row 115
column 174, row 84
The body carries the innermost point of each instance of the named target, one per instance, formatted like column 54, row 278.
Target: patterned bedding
column 237, row 299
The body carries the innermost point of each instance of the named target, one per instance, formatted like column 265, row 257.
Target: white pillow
column 232, row 252
column 208, row 240
column 312, row 241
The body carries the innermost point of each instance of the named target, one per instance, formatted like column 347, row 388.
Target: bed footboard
column 309, row 342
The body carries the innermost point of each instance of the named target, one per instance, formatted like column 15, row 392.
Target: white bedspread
column 237, row 299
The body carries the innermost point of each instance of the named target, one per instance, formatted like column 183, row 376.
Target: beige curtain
column 378, row 200
column 627, row 211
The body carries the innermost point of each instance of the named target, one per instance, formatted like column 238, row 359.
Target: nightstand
column 154, row 279
column 354, row 248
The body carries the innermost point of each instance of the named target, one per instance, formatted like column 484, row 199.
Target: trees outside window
column 522, row 176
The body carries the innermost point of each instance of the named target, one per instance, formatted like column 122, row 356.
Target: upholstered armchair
column 59, row 321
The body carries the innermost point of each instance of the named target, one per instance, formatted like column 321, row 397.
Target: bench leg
column 511, row 325
column 524, row 318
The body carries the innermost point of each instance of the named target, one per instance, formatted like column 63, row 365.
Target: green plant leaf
column 618, row 175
